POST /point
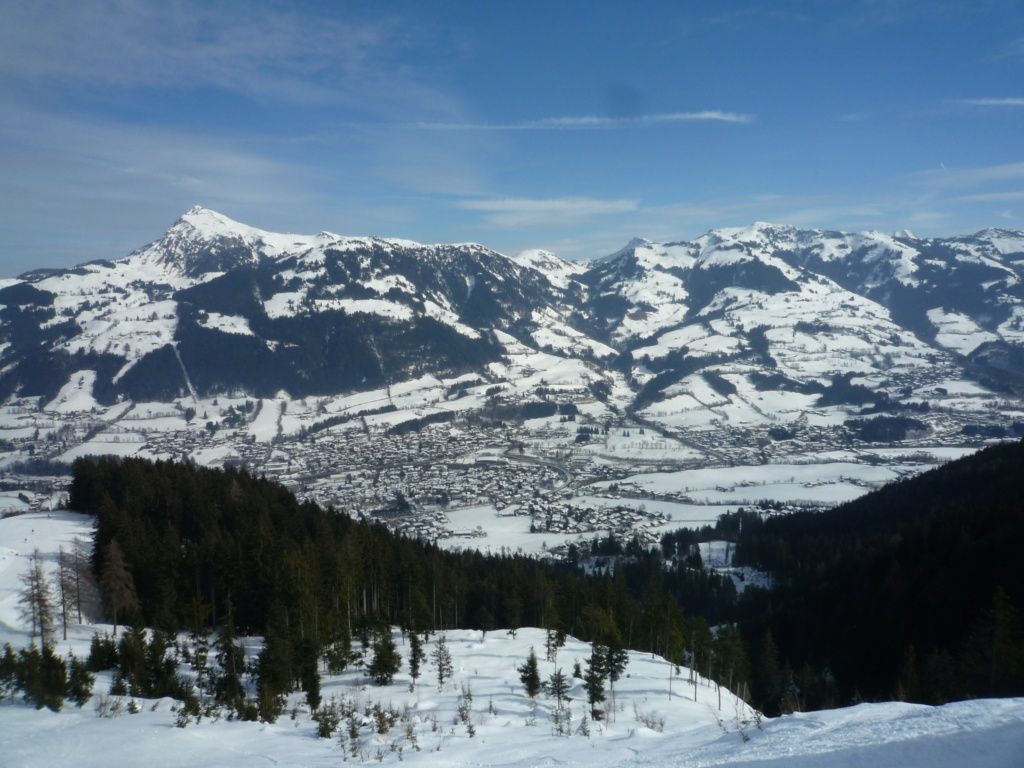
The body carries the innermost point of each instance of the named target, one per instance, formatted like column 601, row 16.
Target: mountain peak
column 209, row 224
column 632, row 245
column 203, row 240
column 903, row 234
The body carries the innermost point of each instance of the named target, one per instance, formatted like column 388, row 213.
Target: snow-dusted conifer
column 442, row 659
column 529, row 674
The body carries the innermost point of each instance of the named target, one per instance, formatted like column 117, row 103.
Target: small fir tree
column 80, row 681
column 553, row 640
column 386, row 660
column 231, row 658
column 442, row 659
column 615, row 660
column 306, row 665
column 416, row 658
column 558, row 686
column 593, row 680
column 529, row 674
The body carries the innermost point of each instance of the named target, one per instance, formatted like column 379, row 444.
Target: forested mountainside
column 202, row 545
column 911, row 591
column 914, row 590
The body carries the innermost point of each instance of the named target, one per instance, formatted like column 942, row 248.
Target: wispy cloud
column 547, row 214
column 1007, row 102
column 61, row 152
column 952, row 178
column 993, row 197
column 257, row 49
column 591, row 122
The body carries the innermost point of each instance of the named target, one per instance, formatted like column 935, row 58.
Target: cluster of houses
column 410, row 480
column 562, row 516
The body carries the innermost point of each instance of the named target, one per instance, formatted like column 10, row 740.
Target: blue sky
column 565, row 125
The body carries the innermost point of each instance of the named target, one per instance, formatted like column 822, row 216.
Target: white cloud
column 993, row 197
column 547, row 214
column 595, row 123
column 1009, row 102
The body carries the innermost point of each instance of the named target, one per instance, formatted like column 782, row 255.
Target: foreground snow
column 981, row 734
column 509, row 729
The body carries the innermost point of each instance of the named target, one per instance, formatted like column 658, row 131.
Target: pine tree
column 8, row 672
column 558, row 686
column 102, row 653
column 117, row 584
column 416, row 657
column 131, row 653
column 553, row 640
column 386, row 660
column 80, row 682
column 529, row 674
column 231, row 658
column 769, row 681
column 42, row 677
column 36, row 600
column 730, row 658
column 28, row 676
column 593, row 680
column 274, row 669
column 513, row 611
column 616, row 658
column 162, row 671
column 309, row 675
column 442, row 659
column 701, row 641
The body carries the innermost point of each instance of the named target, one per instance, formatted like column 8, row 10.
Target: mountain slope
column 969, row 734
column 234, row 307
column 742, row 328
column 915, row 586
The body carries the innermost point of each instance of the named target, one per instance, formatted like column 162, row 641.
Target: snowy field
column 649, row 727
column 826, row 484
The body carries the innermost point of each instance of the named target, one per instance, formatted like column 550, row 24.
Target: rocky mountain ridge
column 216, row 306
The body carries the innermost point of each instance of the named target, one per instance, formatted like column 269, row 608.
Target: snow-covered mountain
column 216, row 305
column 739, row 321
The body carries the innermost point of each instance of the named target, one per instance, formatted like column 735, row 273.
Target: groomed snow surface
column 510, row 729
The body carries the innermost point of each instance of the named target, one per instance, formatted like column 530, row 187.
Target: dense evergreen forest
column 911, row 592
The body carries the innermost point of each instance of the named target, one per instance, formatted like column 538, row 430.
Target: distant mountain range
column 215, row 306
